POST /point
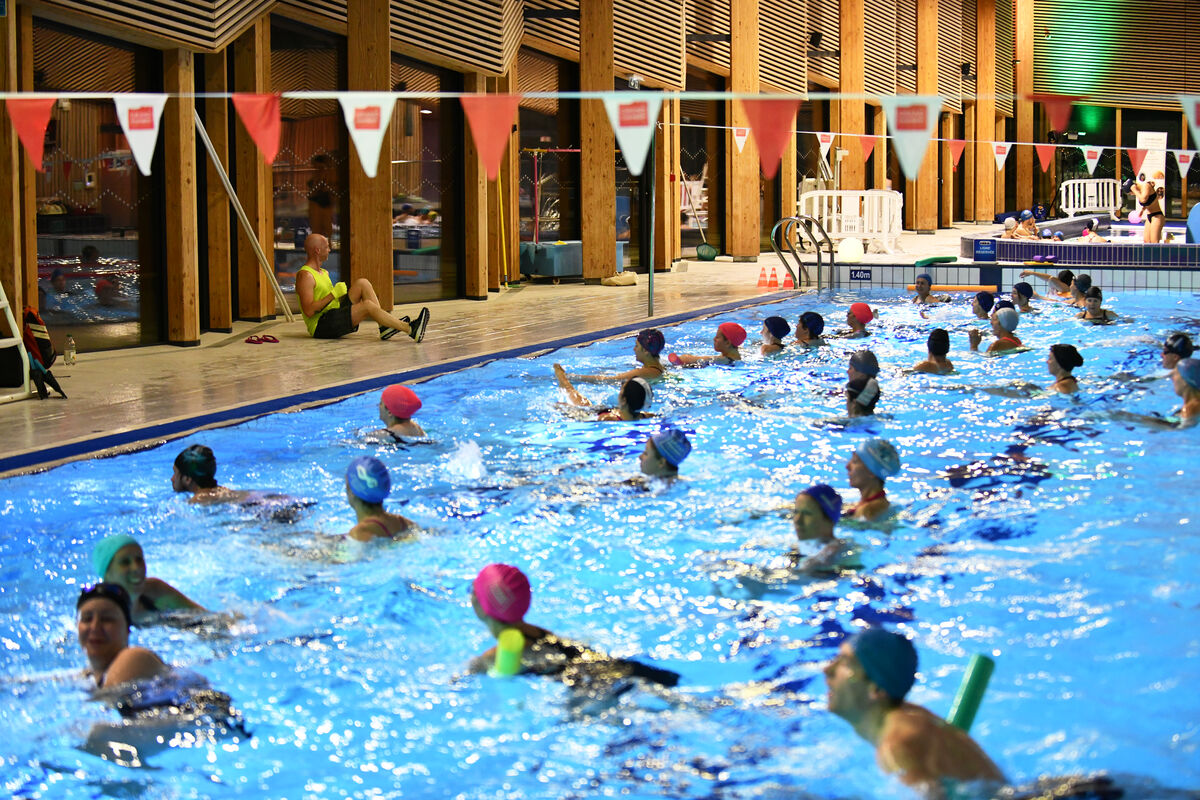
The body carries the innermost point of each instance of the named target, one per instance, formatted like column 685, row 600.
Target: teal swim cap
column 106, row 549
column 889, row 659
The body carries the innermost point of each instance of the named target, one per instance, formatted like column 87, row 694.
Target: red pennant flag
column 260, row 115
column 1045, row 155
column 491, row 118
column 770, row 121
column 1136, row 157
column 867, row 144
column 1058, row 108
column 30, row 116
column 66, row 167
column 956, row 149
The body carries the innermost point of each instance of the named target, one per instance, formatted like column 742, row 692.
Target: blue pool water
column 1075, row 570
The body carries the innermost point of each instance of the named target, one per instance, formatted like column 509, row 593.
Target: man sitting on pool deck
column 1004, row 322
column 397, row 404
column 1177, row 346
column 664, row 452
column 867, row 683
column 923, row 284
column 938, row 345
column 873, row 462
column 328, row 316
column 729, row 338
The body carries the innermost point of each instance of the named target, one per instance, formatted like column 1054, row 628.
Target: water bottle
column 69, row 350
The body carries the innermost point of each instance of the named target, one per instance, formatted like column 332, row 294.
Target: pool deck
column 130, row 398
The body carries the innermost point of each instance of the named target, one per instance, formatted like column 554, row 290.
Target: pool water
column 1075, row 569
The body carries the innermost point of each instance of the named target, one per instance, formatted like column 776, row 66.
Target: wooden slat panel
column 824, row 16
column 648, row 40
column 561, row 32
column 64, row 62
column 880, row 34
column 305, row 69
column 1006, row 49
column 906, row 45
column 968, row 43
column 537, row 73
column 466, row 32
column 783, row 44
column 196, row 24
column 709, row 16
column 950, row 31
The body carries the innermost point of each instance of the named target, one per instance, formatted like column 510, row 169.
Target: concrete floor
column 123, row 399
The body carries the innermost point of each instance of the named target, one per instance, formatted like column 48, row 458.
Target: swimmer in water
column 1026, row 227
column 1090, row 234
column 867, row 683
column 195, row 473
column 368, row 483
column 938, row 345
column 1186, row 380
column 923, row 284
column 647, row 347
column 817, row 510
column 774, row 330
column 1177, row 346
column 635, row 395
column 1060, row 285
column 119, row 560
column 809, row 328
column 1004, row 322
column 397, row 405
column 862, row 389
column 1062, row 360
column 1093, row 311
column 873, row 462
column 1021, row 294
column 981, row 304
column 729, row 338
column 664, row 452
column 857, row 318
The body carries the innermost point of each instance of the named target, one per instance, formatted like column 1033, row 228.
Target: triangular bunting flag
column 1136, row 157
column 30, row 116
column 770, row 121
column 139, row 115
column 1000, row 150
column 956, row 149
column 825, row 139
column 1058, row 108
column 634, row 118
column 491, row 118
column 260, row 115
column 1191, row 110
column 1185, row 159
column 1091, row 156
column 866, row 143
column 911, row 119
column 739, row 137
column 367, row 115
column 1045, row 155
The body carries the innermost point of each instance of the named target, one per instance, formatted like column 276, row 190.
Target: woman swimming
column 1062, row 360
column 1093, row 311
column 1004, row 322
column 635, row 395
column 938, row 345
column 809, row 329
column 397, row 405
column 729, row 338
column 368, row 484
column 774, row 330
column 119, row 560
column 1186, row 381
column 647, row 347
column 873, row 462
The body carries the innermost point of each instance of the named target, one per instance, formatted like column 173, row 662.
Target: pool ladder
column 811, row 227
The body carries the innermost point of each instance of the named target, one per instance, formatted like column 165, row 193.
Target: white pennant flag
column 139, row 115
column 1191, row 110
column 1184, row 159
column 1000, row 150
column 911, row 119
column 739, row 137
column 1092, row 156
column 826, row 139
column 367, row 116
column 634, row 118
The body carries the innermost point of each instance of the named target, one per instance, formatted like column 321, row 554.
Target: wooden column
column 852, row 111
column 666, row 186
column 744, row 192
column 1117, row 140
column 598, row 166
column 475, row 207
column 218, row 268
column 1023, row 107
column 925, row 214
column 11, row 158
column 252, row 73
column 503, row 227
column 181, row 232
column 946, row 218
column 880, row 153
column 1001, row 174
column 966, row 164
column 984, row 172
column 369, row 68
column 788, row 176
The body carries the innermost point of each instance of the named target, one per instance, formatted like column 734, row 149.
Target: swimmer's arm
column 688, row 360
column 167, row 598
column 621, row 377
column 133, row 664
column 565, row 384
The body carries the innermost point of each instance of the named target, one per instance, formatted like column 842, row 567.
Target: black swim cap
column 1180, row 344
column 1066, row 355
column 865, row 392
column 939, row 342
column 813, row 321
column 778, row 326
column 109, row 591
column 985, row 301
column 198, row 463
column 1023, row 289
column 636, row 392
column 1066, row 276
column 1092, row 292
column 1083, row 282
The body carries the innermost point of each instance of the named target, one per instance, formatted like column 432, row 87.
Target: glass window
column 702, row 167
column 548, row 189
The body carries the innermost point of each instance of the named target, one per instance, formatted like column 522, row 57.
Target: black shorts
column 335, row 324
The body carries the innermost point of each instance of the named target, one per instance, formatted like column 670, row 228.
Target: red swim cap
column 401, row 401
column 862, row 312
column 734, row 334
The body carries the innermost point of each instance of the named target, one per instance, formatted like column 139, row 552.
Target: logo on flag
column 139, row 115
column 911, row 118
column 739, row 137
column 633, row 123
column 367, row 115
column 366, row 119
column 140, row 119
column 633, row 114
column 826, row 140
column 1091, row 155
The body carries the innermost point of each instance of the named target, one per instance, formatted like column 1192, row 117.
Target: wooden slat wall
column 880, row 36
column 648, row 40
column 906, row 45
column 537, row 73
column 562, row 32
column 66, row 63
column 709, row 16
column 195, row 24
column 473, row 33
column 824, row 16
column 783, row 44
column 1103, row 60
column 969, row 17
column 1006, row 49
column 305, row 69
column 950, row 33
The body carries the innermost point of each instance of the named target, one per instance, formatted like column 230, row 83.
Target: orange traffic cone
column 787, row 281
column 774, row 283
column 762, row 278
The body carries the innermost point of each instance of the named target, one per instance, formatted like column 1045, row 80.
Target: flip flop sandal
column 254, row 340
column 268, row 338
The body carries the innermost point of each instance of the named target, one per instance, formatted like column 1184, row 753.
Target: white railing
column 1090, row 196
column 872, row 215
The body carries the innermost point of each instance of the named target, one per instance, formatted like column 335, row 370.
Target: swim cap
column 889, row 659
column 1180, row 344
column 865, row 362
column 368, row 479
column 813, row 321
column 673, row 445
column 197, row 462
column 939, row 342
column 1086, row 230
column 401, row 401
column 1066, row 355
column 114, row 592
column 1007, row 319
column 985, row 301
column 1046, row 234
column 862, row 312
column 1189, row 370
column 1083, row 282
column 734, row 334
column 106, row 549
column 503, row 592
column 1094, row 293
column 778, row 326
column 1023, row 289
column 864, row 391
column 927, row 278
column 1059, row 233
column 651, row 339
column 879, row 457
column 1002, row 304
column 1026, row 214
column 1066, row 276
column 638, row 393
column 1010, row 223
column 827, row 498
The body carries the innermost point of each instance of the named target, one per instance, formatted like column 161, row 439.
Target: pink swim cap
column 401, row 401
column 503, row 592
column 734, row 334
column 862, row 312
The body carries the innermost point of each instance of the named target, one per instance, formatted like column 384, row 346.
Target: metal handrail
column 807, row 222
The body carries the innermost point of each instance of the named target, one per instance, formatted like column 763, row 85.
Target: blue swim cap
column 1026, row 214
column 813, row 321
column 928, row 278
column 827, row 498
column 889, row 659
column 673, row 445
column 880, row 457
column 1046, row 234
column 1189, row 370
column 368, row 479
column 985, row 301
column 106, row 549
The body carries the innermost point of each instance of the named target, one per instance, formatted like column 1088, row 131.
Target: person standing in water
column 874, row 461
column 938, row 345
column 1062, row 360
column 368, row 484
column 119, row 560
column 647, row 346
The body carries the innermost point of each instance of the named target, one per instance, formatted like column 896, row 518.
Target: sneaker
column 386, row 333
column 418, row 327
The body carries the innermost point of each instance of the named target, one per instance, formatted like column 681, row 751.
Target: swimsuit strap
column 881, row 493
column 383, row 526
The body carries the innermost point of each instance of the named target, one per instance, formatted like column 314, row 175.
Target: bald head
column 316, row 247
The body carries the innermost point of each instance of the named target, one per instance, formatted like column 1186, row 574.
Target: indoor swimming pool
column 1053, row 533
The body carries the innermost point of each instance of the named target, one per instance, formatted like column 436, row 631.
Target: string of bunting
column 633, row 116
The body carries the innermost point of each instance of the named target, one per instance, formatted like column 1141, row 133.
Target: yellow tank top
column 322, row 286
